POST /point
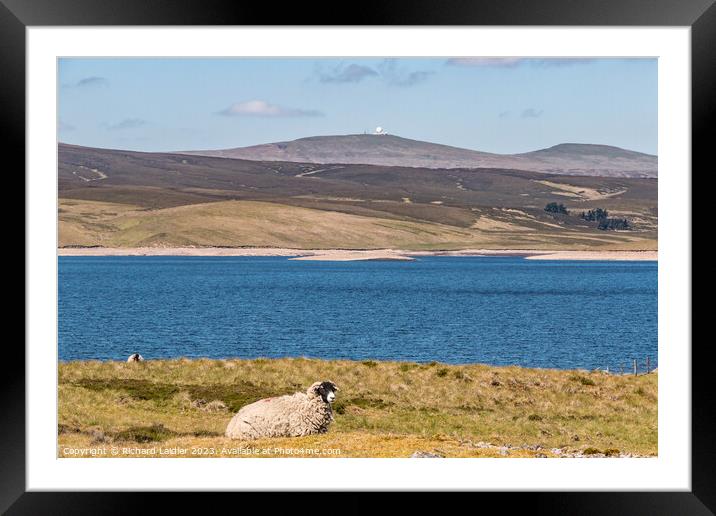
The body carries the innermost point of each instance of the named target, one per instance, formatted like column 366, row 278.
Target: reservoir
column 492, row 310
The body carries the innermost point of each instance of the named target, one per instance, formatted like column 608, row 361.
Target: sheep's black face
column 327, row 390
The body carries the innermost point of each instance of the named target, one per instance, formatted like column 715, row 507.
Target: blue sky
column 502, row 105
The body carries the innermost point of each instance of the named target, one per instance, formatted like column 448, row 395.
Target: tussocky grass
column 383, row 409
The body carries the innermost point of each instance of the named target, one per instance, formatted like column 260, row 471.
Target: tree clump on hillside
column 601, row 216
column 613, row 224
column 595, row 215
column 553, row 207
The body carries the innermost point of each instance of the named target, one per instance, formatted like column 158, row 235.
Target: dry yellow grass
column 384, row 409
column 241, row 223
column 266, row 224
column 581, row 192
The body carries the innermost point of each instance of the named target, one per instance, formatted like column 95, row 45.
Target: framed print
column 260, row 261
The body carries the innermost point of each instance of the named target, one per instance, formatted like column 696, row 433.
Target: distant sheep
column 292, row 415
column 135, row 357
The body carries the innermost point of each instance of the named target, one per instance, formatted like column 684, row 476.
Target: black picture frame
column 700, row 15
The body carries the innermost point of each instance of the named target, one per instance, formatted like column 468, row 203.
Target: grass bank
column 384, row 409
column 241, row 224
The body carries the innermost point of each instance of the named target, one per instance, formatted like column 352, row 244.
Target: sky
column 502, row 105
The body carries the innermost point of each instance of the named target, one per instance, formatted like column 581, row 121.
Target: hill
column 389, row 150
column 117, row 198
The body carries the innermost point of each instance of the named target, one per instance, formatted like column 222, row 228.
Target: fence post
column 621, row 368
column 635, row 367
column 648, row 369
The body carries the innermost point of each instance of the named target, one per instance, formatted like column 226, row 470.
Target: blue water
column 496, row 310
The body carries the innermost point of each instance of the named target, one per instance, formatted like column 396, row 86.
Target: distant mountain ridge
column 388, row 150
column 121, row 198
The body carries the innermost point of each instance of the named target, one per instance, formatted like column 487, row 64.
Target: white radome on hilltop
column 379, row 130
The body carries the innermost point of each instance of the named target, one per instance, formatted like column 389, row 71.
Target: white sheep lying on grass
column 135, row 357
column 292, row 415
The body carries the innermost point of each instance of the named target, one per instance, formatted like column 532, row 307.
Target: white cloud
column 261, row 108
column 532, row 113
column 346, row 74
column 396, row 75
column 387, row 71
column 88, row 82
column 127, row 123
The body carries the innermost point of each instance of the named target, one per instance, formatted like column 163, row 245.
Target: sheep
column 291, row 415
column 135, row 357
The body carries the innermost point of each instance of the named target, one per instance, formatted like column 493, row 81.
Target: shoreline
column 356, row 362
column 362, row 254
